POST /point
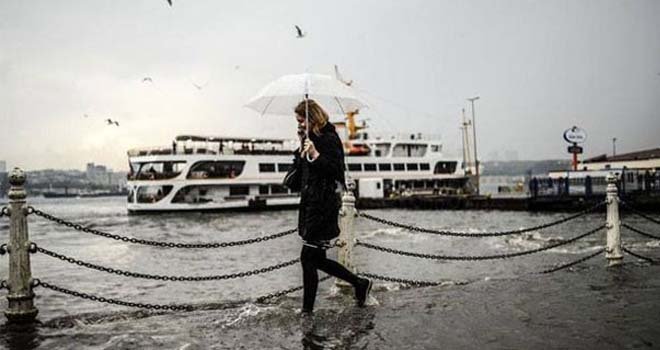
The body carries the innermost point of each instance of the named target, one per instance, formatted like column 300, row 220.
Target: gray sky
column 539, row 67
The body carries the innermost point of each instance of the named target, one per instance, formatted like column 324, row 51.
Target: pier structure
column 20, row 283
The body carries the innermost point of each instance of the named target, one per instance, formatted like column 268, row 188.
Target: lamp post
column 614, row 146
column 474, row 136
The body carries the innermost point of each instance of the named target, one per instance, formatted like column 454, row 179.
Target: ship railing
column 21, row 285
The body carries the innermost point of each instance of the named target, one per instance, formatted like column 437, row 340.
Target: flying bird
column 116, row 123
column 340, row 78
column 147, row 79
column 111, row 122
column 299, row 33
column 169, row 2
column 86, row 116
column 199, row 87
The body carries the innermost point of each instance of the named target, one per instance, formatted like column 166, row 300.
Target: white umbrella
column 283, row 95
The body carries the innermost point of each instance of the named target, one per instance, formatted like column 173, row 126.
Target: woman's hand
column 308, row 148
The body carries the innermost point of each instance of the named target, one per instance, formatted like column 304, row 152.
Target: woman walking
column 320, row 161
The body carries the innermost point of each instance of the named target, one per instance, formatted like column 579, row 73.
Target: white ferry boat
column 214, row 173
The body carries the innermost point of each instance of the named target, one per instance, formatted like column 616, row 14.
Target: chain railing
column 163, row 277
column 134, row 240
column 573, row 263
column 414, row 283
column 478, row 257
column 481, row 234
column 638, row 231
column 4, row 211
column 170, row 307
column 645, row 258
column 639, row 213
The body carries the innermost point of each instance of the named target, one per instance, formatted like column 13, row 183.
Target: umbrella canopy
column 281, row 96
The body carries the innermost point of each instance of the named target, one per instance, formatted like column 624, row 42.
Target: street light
column 613, row 146
column 474, row 136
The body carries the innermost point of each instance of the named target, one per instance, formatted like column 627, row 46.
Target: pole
column 613, row 250
column 21, row 308
column 346, row 242
column 614, row 146
column 474, row 136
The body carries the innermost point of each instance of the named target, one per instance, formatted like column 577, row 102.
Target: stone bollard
column 346, row 242
column 613, row 250
column 21, row 308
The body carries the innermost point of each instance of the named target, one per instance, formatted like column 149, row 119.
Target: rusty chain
column 4, row 211
column 572, row 263
column 639, row 213
column 79, row 227
column 652, row 261
column 636, row 230
column 165, row 278
column 477, row 257
column 480, row 234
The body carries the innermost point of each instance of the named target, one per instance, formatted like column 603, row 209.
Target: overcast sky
column 538, row 66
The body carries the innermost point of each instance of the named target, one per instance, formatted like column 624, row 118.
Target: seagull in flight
column 147, row 79
column 110, row 122
column 199, row 87
column 169, row 2
column 341, row 78
column 299, row 33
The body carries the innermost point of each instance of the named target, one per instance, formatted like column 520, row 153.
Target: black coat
column 320, row 195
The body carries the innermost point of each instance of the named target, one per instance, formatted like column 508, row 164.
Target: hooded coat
column 320, row 192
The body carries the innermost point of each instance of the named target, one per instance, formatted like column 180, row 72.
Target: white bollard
column 346, row 241
column 613, row 250
column 21, row 307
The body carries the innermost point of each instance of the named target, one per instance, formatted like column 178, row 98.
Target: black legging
column 313, row 259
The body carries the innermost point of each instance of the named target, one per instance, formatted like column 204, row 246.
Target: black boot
column 362, row 289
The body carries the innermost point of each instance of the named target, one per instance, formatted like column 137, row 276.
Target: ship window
column 435, row 148
column 279, row 189
column 385, row 167
column 216, row 169
column 152, row 194
column 263, row 189
column 354, row 167
column 239, row 190
column 283, row 167
column 381, row 149
column 266, row 167
column 159, row 170
column 424, row 166
column 412, row 166
column 370, row 167
column 399, row 167
column 444, row 167
column 409, row 150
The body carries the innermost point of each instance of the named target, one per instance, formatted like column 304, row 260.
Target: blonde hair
column 317, row 116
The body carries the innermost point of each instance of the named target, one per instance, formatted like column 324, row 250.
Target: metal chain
column 79, row 227
column 639, row 213
column 652, row 261
column 477, row 257
column 263, row 298
column 3, row 249
column 171, row 307
column 415, row 283
column 4, row 285
column 166, row 278
column 4, row 211
column 565, row 266
column 636, row 230
column 482, row 234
